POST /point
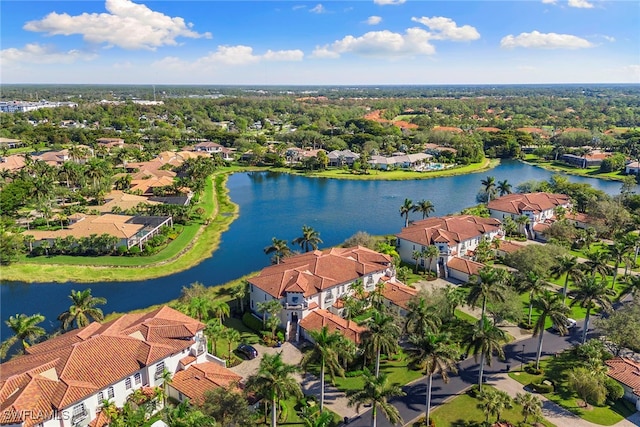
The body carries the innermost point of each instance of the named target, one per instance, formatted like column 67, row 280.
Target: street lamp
column 522, row 359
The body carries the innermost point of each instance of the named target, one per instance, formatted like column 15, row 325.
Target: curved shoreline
column 205, row 242
column 569, row 172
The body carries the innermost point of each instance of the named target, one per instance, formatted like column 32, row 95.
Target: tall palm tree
column 239, row 292
column 325, row 351
column 215, row 330
column 597, row 263
column 421, row 317
column 550, row 306
column 433, row 353
column 617, row 252
column 504, row 188
column 430, row 252
column 279, row 248
column 589, row 293
column 199, row 307
column 272, row 308
column 632, row 286
column 381, row 336
column 487, row 283
column 82, row 310
column 406, row 208
column 425, row 207
column 489, row 185
column 309, row 239
column 232, row 336
column 25, row 330
column 416, row 255
column 275, row 381
column 535, row 285
column 485, row 340
column 376, row 392
column 569, row 265
column 220, row 309
column 522, row 222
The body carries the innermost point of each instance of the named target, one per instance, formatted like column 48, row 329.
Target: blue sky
column 320, row 43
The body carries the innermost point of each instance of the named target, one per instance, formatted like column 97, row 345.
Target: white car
column 571, row 323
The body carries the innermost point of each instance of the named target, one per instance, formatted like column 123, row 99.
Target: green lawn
column 292, row 415
column 554, row 370
column 592, row 172
column 463, row 411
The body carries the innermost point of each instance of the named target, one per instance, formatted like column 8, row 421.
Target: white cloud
column 232, row 55
column 389, row 2
column 319, row 8
column 415, row 41
column 446, row 29
column 238, row 55
column 283, row 55
column 581, row 4
column 35, row 53
column 374, row 20
column 610, row 39
column 537, row 40
column 549, row 1
column 299, row 6
column 127, row 25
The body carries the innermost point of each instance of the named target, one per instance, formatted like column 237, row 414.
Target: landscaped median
column 196, row 243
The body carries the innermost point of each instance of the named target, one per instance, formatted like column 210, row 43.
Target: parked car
column 248, row 351
column 571, row 323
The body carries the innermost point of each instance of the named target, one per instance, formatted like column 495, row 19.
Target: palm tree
column 531, row 405
column 589, row 293
column 279, row 248
column 275, row 381
column 315, row 418
column 617, row 252
column 215, row 330
column 25, row 329
column 569, row 265
column 430, row 252
column 199, row 307
column 325, row 351
column 381, row 336
column 485, row 340
column 232, row 336
column 494, row 402
column 416, row 255
column 83, row 307
column 239, row 292
column 376, row 392
column 597, row 263
column 551, row 307
column 167, row 379
column 504, row 188
column 522, row 222
column 532, row 283
column 632, row 287
column 220, row 309
column 309, row 239
column 488, row 283
column 421, row 317
column 272, row 308
column 433, row 353
column 425, row 207
column 489, row 185
column 406, row 208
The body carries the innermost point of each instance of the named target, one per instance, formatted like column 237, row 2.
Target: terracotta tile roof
column 55, row 374
column 196, row 380
column 311, row 272
column 578, row 216
column 100, row 421
column 448, row 229
column 518, row 203
column 447, row 129
column 398, row 293
column 315, row 320
column 122, row 200
column 625, row 371
column 115, row 225
column 12, row 163
column 489, row 129
column 464, row 265
column 187, row 360
column 509, row 247
column 541, row 226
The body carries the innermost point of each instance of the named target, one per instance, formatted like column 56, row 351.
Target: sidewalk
column 551, row 411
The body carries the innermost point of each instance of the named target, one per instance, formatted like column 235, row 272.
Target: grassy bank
column 196, row 243
column 591, row 172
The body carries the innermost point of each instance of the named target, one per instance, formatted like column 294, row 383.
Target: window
column 100, row 397
column 110, row 392
column 137, row 378
column 180, row 396
column 78, row 413
column 294, row 300
column 159, row 369
column 127, row 383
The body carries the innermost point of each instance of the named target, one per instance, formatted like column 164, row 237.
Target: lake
column 278, row 205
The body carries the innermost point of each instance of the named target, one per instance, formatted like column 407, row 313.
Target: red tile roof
column 317, row 319
column 464, row 265
column 398, row 293
column 517, row 203
column 625, row 371
column 195, row 381
column 312, row 272
column 448, row 229
column 509, row 247
column 66, row 369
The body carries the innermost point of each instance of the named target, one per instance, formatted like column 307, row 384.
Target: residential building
column 196, row 379
column 399, row 160
column 632, row 168
column 111, row 142
column 12, row 163
column 342, row 157
column 627, row 372
column 588, row 160
column 454, row 236
column 319, row 318
column 316, row 280
column 10, row 143
column 63, row 381
column 539, row 208
column 208, row 147
column 397, row 296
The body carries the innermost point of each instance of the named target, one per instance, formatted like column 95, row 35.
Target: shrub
column 542, row 387
column 351, row 374
column 134, row 251
column 615, row 391
column 250, row 321
column 531, row 369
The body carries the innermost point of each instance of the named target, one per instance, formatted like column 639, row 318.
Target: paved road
column 413, row 405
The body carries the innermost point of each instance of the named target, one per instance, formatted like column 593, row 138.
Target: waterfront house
column 397, row 295
column 342, row 157
column 63, row 381
column 454, row 236
column 632, row 168
column 208, row 147
column 586, row 161
column 539, row 208
column 319, row 318
column 194, row 380
column 316, row 280
column 627, row 372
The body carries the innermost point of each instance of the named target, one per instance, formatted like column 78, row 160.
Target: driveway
column 290, row 354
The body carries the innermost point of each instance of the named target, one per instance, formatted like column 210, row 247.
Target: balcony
column 299, row 306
